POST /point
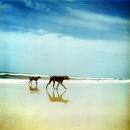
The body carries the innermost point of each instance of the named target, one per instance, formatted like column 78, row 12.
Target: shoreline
column 86, row 81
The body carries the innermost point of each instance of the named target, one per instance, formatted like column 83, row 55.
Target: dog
column 35, row 78
column 58, row 79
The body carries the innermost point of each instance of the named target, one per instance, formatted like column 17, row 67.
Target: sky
column 65, row 37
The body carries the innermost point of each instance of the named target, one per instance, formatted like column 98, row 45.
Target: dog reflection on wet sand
column 33, row 89
column 55, row 96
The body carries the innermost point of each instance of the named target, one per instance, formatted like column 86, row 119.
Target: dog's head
column 66, row 77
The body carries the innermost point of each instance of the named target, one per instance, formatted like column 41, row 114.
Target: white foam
column 17, row 81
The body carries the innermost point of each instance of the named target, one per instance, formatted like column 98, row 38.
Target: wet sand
column 83, row 106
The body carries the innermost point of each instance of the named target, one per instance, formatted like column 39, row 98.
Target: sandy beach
column 83, row 106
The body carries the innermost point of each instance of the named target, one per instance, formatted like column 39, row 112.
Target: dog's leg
column 53, row 84
column 36, row 83
column 30, row 88
column 30, row 83
column 57, row 85
column 63, row 85
column 48, row 83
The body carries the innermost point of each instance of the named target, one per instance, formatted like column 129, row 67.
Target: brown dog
column 35, row 78
column 58, row 79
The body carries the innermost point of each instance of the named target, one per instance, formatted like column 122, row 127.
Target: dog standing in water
column 58, row 79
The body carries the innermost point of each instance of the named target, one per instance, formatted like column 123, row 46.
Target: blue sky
column 73, row 37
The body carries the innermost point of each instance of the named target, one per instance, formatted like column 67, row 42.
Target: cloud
column 66, row 20
column 93, row 24
column 67, row 54
column 60, row 39
column 34, row 4
column 55, row 43
column 92, row 16
column 83, row 24
column 4, row 6
column 95, row 21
